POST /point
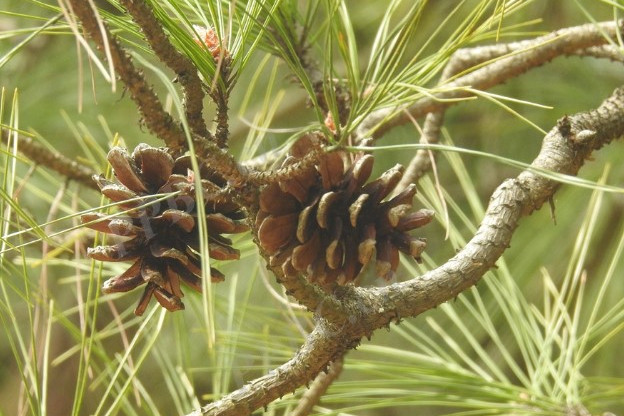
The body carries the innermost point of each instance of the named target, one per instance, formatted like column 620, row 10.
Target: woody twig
column 464, row 59
column 56, row 161
column 157, row 120
column 185, row 70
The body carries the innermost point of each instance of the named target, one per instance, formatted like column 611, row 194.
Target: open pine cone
column 326, row 221
column 164, row 243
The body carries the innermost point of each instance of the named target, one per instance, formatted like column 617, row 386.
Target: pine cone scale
column 415, row 220
column 334, row 254
column 156, row 166
column 325, row 206
column 356, row 207
column 145, row 299
column 274, row 201
column 129, row 250
column 304, row 255
column 362, row 169
column 180, row 219
column 168, row 300
column 159, row 250
column 128, row 280
column 151, row 272
column 305, row 223
column 219, row 223
column 331, row 169
column 125, row 171
column 191, row 279
column 277, row 231
column 117, row 193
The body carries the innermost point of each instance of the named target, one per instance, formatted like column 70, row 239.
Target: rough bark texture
column 179, row 63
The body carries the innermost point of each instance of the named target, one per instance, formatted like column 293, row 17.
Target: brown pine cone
column 327, row 222
column 164, row 243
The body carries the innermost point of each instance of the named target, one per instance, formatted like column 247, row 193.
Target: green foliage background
column 517, row 344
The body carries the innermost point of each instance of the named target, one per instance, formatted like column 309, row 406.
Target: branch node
column 564, row 126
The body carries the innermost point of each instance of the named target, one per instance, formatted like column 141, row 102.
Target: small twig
column 222, row 132
column 462, row 60
column 221, row 162
column 422, row 161
column 264, row 160
column 318, row 388
column 56, row 161
column 184, row 68
column 157, row 120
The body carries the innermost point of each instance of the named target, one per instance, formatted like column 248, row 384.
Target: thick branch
column 322, row 345
column 534, row 53
column 157, row 120
column 564, row 150
column 58, row 162
column 179, row 63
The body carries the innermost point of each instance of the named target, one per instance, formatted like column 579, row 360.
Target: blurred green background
column 255, row 331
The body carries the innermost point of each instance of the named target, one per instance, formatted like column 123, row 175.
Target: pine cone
column 326, row 221
column 164, row 243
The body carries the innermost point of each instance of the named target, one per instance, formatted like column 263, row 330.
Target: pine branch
column 568, row 42
column 180, row 64
column 565, row 149
column 523, row 56
column 222, row 162
column 324, row 344
column 56, row 161
column 156, row 118
column 158, row 121
column 463, row 60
